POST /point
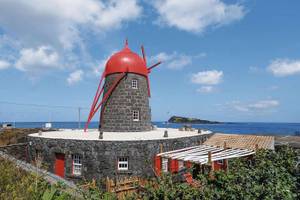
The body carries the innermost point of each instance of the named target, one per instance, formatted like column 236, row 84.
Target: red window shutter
column 173, row 166
column 188, row 164
column 176, row 166
column 157, row 161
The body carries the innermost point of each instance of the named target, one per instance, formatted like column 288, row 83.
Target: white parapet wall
column 93, row 134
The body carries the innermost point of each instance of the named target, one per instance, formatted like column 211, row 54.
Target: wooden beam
column 160, row 148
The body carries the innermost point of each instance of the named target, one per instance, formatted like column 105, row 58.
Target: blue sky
column 222, row 60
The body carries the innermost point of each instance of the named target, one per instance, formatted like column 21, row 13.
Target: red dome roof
column 126, row 61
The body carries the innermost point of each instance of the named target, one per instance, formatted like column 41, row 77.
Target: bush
column 270, row 175
column 16, row 184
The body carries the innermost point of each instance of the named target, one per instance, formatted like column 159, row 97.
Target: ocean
column 230, row 127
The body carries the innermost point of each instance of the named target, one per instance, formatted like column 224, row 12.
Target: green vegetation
column 15, row 135
column 177, row 119
column 269, row 175
column 16, row 184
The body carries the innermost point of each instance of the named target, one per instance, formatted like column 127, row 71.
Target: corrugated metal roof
column 199, row 154
column 241, row 141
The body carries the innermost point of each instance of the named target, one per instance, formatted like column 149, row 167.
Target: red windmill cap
column 126, row 61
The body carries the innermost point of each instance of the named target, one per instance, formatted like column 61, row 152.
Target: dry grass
column 15, row 135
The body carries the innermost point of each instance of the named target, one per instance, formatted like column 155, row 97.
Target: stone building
column 125, row 143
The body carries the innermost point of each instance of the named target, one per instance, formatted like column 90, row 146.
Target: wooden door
column 60, row 164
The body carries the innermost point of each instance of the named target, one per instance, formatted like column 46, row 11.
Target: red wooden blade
column 155, row 65
column 95, row 106
column 144, row 55
column 148, row 84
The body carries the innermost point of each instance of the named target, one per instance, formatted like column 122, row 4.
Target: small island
column 181, row 120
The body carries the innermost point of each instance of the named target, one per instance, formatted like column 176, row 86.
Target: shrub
column 270, row 175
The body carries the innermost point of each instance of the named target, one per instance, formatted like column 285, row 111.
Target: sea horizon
column 258, row 128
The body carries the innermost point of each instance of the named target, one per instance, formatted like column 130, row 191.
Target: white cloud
column 206, row 89
column 58, row 22
column 175, row 60
column 197, row 15
column 212, row 77
column 99, row 66
column 259, row 106
column 75, row 77
column 4, row 64
column 284, row 67
column 38, row 60
column 31, row 28
column 264, row 104
column 117, row 12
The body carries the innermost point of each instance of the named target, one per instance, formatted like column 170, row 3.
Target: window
column 77, row 164
column 134, row 84
column 180, row 164
column 164, row 165
column 123, row 163
column 220, row 162
column 38, row 154
column 136, row 115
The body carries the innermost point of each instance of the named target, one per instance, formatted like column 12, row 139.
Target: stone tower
column 127, row 108
column 126, row 91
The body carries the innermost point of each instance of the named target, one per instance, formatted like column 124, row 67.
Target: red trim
column 72, row 165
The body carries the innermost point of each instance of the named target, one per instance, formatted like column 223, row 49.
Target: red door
column 60, row 164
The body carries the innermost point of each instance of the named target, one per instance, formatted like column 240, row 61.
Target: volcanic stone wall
column 117, row 112
column 99, row 158
column 18, row 151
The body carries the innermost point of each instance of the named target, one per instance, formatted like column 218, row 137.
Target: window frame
column 134, row 84
column 164, row 164
column 220, row 162
column 76, row 164
column 181, row 164
column 123, row 161
column 135, row 115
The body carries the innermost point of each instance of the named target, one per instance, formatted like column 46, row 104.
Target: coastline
column 254, row 128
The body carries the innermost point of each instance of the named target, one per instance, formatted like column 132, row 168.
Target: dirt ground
column 294, row 141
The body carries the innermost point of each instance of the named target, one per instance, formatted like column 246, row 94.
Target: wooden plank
column 201, row 150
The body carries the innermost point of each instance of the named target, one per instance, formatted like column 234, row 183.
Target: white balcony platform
column 93, row 134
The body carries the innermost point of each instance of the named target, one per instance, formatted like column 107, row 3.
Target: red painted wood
column 60, row 164
column 173, row 166
column 157, row 161
column 94, row 109
column 126, row 61
column 188, row 164
column 176, row 166
column 189, row 178
column 219, row 166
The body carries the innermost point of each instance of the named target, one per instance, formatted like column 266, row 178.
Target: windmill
column 125, row 88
